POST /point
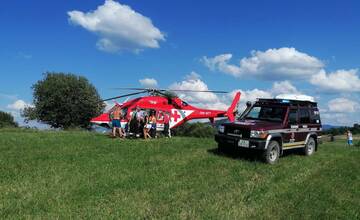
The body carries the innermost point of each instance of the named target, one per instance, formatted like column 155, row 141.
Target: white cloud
column 342, row 105
column 339, row 81
column 148, row 82
column 271, row 64
column 119, row 27
column 18, row 105
column 249, row 95
column 211, row 100
column 193, row 82
column 252, row 95
column 337, row 119
column 341, row 111
column 284, row 87
column 192, row 76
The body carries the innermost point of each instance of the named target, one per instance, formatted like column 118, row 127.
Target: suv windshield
column 268, row 113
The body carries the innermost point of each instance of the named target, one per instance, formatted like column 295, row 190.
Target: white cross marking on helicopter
column 178, row 115
column 175, row 115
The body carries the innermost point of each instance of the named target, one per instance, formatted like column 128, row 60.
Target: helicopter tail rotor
column 230, row 113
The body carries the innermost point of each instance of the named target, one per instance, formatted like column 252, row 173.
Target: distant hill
column 328, row 127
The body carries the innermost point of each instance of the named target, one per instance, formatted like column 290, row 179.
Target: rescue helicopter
column 164, row 102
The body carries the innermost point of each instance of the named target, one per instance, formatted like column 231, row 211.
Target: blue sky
column 259, row 47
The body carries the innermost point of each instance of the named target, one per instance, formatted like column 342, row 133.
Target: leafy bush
column 64, row 101
column 7, row 120
column 195, row 130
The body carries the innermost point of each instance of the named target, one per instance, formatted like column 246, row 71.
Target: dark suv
column 272, row 126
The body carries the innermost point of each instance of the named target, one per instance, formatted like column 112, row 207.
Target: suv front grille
column 236, row 131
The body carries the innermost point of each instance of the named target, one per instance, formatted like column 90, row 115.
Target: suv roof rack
column 296, row 97
column 286, row 102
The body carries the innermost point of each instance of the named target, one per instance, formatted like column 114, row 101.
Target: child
column 349, row 138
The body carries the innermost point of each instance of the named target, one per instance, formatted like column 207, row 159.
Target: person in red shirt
column 166, row 131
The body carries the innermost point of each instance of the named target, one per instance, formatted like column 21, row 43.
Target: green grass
column 86, row 175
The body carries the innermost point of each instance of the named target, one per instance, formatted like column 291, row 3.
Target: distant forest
column 342, row 130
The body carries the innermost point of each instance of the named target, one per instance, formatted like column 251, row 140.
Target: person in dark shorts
column 152, row 121
column 116, row 115
column 139, row 115
column 166, row 131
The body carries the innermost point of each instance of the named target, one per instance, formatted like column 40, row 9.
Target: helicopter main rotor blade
column 187, row 90
column 171, row 90
column 121, row 96
column 123, row 88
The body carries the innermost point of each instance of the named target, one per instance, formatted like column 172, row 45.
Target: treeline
column 7, row 120
column 196, row 129
column 342, row 130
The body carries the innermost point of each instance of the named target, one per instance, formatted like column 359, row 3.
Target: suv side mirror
column 248, row 104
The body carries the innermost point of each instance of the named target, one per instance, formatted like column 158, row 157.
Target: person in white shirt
column 349, row 138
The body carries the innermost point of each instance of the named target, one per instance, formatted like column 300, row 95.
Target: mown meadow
column 76, row 174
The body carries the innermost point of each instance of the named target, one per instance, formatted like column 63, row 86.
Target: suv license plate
column 243, row 143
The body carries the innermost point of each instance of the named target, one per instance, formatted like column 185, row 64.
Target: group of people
column 146, row 122
column 143, row 123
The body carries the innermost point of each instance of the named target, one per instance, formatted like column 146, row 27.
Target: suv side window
column 304, row 116
column 315, row 116
column 255, row 111
column 292, row 118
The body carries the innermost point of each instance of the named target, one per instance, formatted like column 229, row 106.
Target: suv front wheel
column 310, row 147
column 272, row 153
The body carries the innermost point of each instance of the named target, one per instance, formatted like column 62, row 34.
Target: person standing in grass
column 152, row 121
column 139, row 115
column 166, row 131
column 349, row 138
column 147, row 127
column 116, row 115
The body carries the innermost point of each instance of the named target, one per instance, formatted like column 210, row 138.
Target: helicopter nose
column 103, row 118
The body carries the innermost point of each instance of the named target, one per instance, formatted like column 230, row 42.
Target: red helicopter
column 163, row 102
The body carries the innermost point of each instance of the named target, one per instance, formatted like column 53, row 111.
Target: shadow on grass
column 237, row 153
column 249, row 154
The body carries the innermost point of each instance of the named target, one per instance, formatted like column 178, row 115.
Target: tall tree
column 64, row 100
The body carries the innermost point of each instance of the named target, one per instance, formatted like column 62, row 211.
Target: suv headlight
column 221, row 129
column 258, row 134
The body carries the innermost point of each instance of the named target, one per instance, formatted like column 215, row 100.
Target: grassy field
column 87, row 175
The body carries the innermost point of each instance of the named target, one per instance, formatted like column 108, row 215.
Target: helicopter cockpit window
column 184, row 103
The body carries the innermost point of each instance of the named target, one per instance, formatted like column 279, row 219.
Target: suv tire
column 272, row 153
column 309, row 148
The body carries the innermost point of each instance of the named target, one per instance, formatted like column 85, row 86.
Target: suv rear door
column 292, row 125
column 304, row 122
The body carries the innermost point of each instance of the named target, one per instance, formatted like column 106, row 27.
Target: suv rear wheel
column 310, row 147
column 272, row 153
